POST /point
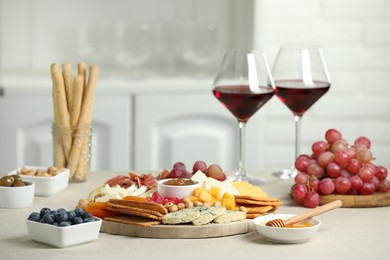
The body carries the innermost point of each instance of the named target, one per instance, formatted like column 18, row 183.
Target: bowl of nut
column 63, row 228
column 48, row 180
column 176, row 187
column 16, row 193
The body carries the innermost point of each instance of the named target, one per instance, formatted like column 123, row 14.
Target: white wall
column 355, row 37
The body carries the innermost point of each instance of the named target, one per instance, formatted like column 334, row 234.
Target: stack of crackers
column 136, row 212
column 257, row 206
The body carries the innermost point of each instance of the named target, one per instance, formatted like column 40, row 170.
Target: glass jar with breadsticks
column 73, row 100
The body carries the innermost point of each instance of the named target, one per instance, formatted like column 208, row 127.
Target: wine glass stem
column 297, row 120
column 241, row 162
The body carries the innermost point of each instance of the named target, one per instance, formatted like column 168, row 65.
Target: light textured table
column 346, row 233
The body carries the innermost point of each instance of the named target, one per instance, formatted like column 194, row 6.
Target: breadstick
column 68, row 80
column 82, row 71
column 81, row 141
column 59, row 157
column 77, row 96
column 63, row 115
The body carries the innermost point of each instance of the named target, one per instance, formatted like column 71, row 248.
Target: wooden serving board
column 359, row 201
column 179, row 231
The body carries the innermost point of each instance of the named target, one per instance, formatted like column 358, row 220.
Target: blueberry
column 86, row 220
column 44, row 211
column 77, row 220
column 55, row 224
column 71, row 215
column 79, row 212
column 64, row 224
column 61, row 216
column 48, row 218
column 61, row 210
column 86, row 215
column 35, row 216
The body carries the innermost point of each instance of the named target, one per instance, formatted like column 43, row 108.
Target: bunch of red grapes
column 336, row 167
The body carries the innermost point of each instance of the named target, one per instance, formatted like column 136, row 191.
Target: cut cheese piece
column 247, row 189
column 200, row 177
column 107, row 197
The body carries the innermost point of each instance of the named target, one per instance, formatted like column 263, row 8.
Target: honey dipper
column 307, row 215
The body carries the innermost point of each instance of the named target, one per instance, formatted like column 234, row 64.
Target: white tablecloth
column 345, row 233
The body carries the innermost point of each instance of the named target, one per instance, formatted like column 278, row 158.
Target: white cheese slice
column 108, row 197
column 131, row 189
column 139, row 191
column 230, row 188
column 112, row 190
column 210, row 182
column 200, row 177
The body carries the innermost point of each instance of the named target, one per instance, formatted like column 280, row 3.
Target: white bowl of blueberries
column 63, row 228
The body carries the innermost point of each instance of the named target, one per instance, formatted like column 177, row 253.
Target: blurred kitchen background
column 154, row 104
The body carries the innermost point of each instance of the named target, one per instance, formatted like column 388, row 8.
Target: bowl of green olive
column 16, row 193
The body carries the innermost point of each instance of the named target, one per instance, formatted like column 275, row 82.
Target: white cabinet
column 188, row 126
column 26, row 139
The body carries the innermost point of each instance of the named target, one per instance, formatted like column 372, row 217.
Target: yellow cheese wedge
column 247, row 189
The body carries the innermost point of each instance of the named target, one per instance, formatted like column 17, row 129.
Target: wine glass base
column 286, row 174
column 252, row 180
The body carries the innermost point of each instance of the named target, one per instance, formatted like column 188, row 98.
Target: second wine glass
column 301, row 78
column 243, row 84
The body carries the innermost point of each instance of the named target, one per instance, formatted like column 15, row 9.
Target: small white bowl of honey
column 291, row 234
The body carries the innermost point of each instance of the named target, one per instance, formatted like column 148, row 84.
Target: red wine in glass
column 241, row 101
column 297, row 96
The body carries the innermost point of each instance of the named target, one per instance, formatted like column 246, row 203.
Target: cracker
column 141, row 204
column 255, row 198
column 135, row 211
column 258, row 202
column 133, row 220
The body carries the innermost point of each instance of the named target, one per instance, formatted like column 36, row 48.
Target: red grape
column 342, row 184
column 180, row 166
column 363, row 140
column 199, row 166
column 299, row 191
column 338, row 146
column 300, row 178
column 384, row 186
column 333, row 170
column 356, row 182
column 364, row 155
column 327, row 186
column 332, row 135
column 375, row 181
column 342, row 157
column 315, row 170
column 314, row 184
column 367, row 188
column 351, row 151
column 319, row 147
column 366, row 174
column 176, row 173
column 381, row 172
column 325, row 158
column 312, row 199
column 354, row 166
column 302, row 163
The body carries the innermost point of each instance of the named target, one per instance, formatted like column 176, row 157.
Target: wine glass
column 243, row 84
column 301, row 78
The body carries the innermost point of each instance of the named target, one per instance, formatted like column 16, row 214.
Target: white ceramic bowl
column 46, row 186
column 285, row 235
column 64, row 236
column 165, row 190
column 17, row 197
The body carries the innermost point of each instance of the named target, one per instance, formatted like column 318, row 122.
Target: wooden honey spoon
column 307, row 215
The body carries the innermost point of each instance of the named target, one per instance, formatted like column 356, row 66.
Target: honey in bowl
column 179, row 182
column 302, row 224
